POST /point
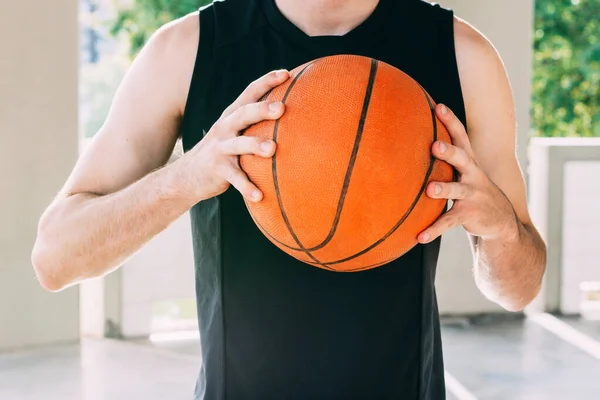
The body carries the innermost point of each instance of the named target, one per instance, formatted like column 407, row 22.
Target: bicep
column 490, row 114
column 142, row 126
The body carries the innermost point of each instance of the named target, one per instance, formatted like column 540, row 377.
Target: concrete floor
column 504, row 358
column 488, row 358
column 98, row 370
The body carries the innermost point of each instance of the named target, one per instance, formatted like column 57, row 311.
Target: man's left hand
column 478, row 204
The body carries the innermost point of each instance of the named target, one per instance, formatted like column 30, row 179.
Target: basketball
column 345, row 190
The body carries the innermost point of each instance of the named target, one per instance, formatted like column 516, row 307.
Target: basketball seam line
column 419, row 195
column 408, row 212
column 351, row 162
column 274, row 172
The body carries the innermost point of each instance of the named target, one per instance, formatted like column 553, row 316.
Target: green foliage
column 141, row 18
column 566, row 86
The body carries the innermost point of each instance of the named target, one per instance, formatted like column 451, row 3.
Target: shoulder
column 169, row 57
column 472, row 46
column 482, row 73
column 177, row 36
column 173, row 43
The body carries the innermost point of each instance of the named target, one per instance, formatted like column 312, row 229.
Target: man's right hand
column 213, row 165
column 120, row 194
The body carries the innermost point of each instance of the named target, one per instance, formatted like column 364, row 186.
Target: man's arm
column 113, row 203
column 490, row 197
column 100, row 216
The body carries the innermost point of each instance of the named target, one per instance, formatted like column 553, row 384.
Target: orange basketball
column 345, row 190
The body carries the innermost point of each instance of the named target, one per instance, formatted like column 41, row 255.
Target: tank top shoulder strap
column 441, row 23
column 222, row 23
column 198, row 87
column 450, row 74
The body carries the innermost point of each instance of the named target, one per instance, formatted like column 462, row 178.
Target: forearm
column 86, row 235
column 509, row 270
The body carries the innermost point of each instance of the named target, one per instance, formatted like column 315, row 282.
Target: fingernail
column 274, row 107
column 425, row 237
column 266, row 146
column 443, row 147
column 444, row 109
column 437, row 189
column 280, row 74
column 256, row 195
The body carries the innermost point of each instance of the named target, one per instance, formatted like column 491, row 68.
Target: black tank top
column 273, row 327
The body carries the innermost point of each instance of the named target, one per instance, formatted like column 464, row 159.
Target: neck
column 326, row 17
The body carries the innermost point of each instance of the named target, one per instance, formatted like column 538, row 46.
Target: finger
column 449, row 190
column 240, row 181
column 251, row 114
column 240, row 145
column 257, row 89
column 455, row 128
column 454, row 156
column 446, row 222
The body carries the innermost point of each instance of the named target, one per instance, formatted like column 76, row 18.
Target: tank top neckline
column 370, row 27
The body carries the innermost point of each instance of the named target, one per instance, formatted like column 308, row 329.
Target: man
column 271, row 326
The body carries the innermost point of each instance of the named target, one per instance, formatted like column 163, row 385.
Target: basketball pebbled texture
column 345, row 190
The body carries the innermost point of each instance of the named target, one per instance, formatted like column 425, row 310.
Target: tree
column 141, row 18
column 566, row 85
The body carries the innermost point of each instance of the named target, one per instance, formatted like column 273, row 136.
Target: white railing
column 564, row 193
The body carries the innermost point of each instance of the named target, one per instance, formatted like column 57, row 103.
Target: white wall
column 564, row 189
column 162, row 271
column 581, row 218
column 38, row 128
column 509, row 26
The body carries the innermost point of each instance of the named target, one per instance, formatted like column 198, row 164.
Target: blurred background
column 133, row 334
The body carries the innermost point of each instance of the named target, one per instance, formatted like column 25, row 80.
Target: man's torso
column 271, row 326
